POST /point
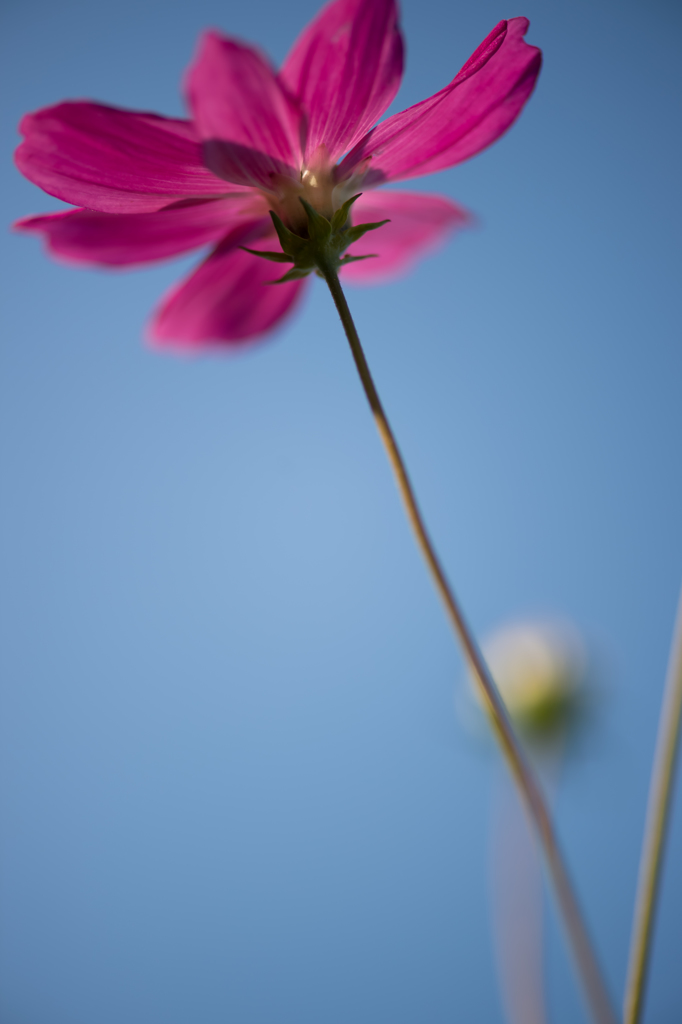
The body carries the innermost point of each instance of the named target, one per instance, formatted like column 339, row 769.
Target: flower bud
column 539, row 669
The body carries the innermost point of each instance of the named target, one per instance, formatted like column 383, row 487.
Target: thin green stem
column 595, row 989
column 657, row 813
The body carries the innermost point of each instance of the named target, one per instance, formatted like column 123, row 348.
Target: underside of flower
column 320, row 242
column 307, row 138
column 319, row 186
column 315, row 184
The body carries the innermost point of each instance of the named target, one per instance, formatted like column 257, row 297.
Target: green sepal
column 354, row 259
column 341, row 216
column 291, row 244
column 353, row 234
column 323, row 247
column 276, row 257
column 319, row 227
column 295, row 274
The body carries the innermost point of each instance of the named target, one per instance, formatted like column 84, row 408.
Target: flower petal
column 116, row 161
column 419, row 223
column 481, row 102
column 249, row 124
column 111, row 239
column 345, row 68
column 228, row 298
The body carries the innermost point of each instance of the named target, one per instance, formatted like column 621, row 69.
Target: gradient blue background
column 234, row 784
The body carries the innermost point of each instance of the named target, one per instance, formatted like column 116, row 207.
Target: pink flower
column 150, row 187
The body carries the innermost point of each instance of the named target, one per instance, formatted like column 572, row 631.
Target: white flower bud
column 539, row 668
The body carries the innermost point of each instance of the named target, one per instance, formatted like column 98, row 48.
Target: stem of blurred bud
column 531, row 793
column 658, row 808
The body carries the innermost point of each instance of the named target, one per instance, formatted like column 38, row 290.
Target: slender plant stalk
column 595, row 989
column 658, row 807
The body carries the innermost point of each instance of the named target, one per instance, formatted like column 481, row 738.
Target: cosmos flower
column 149, row 187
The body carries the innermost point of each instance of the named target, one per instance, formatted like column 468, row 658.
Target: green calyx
column 322, row 250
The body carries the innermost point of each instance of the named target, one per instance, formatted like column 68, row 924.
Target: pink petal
column 111, row 239
column 345, row 68
column 419, row 223
column 473, row 111
column 116, row 161
column 249, row 124
column 227, row 299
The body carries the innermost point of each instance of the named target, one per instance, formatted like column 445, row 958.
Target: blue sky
column 234, row 783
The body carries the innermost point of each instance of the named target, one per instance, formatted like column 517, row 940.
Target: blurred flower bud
column 539, row 668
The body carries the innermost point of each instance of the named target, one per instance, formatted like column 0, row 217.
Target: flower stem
column 531, row 793
column 658, row 807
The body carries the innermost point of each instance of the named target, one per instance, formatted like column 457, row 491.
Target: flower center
column 317, row 185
